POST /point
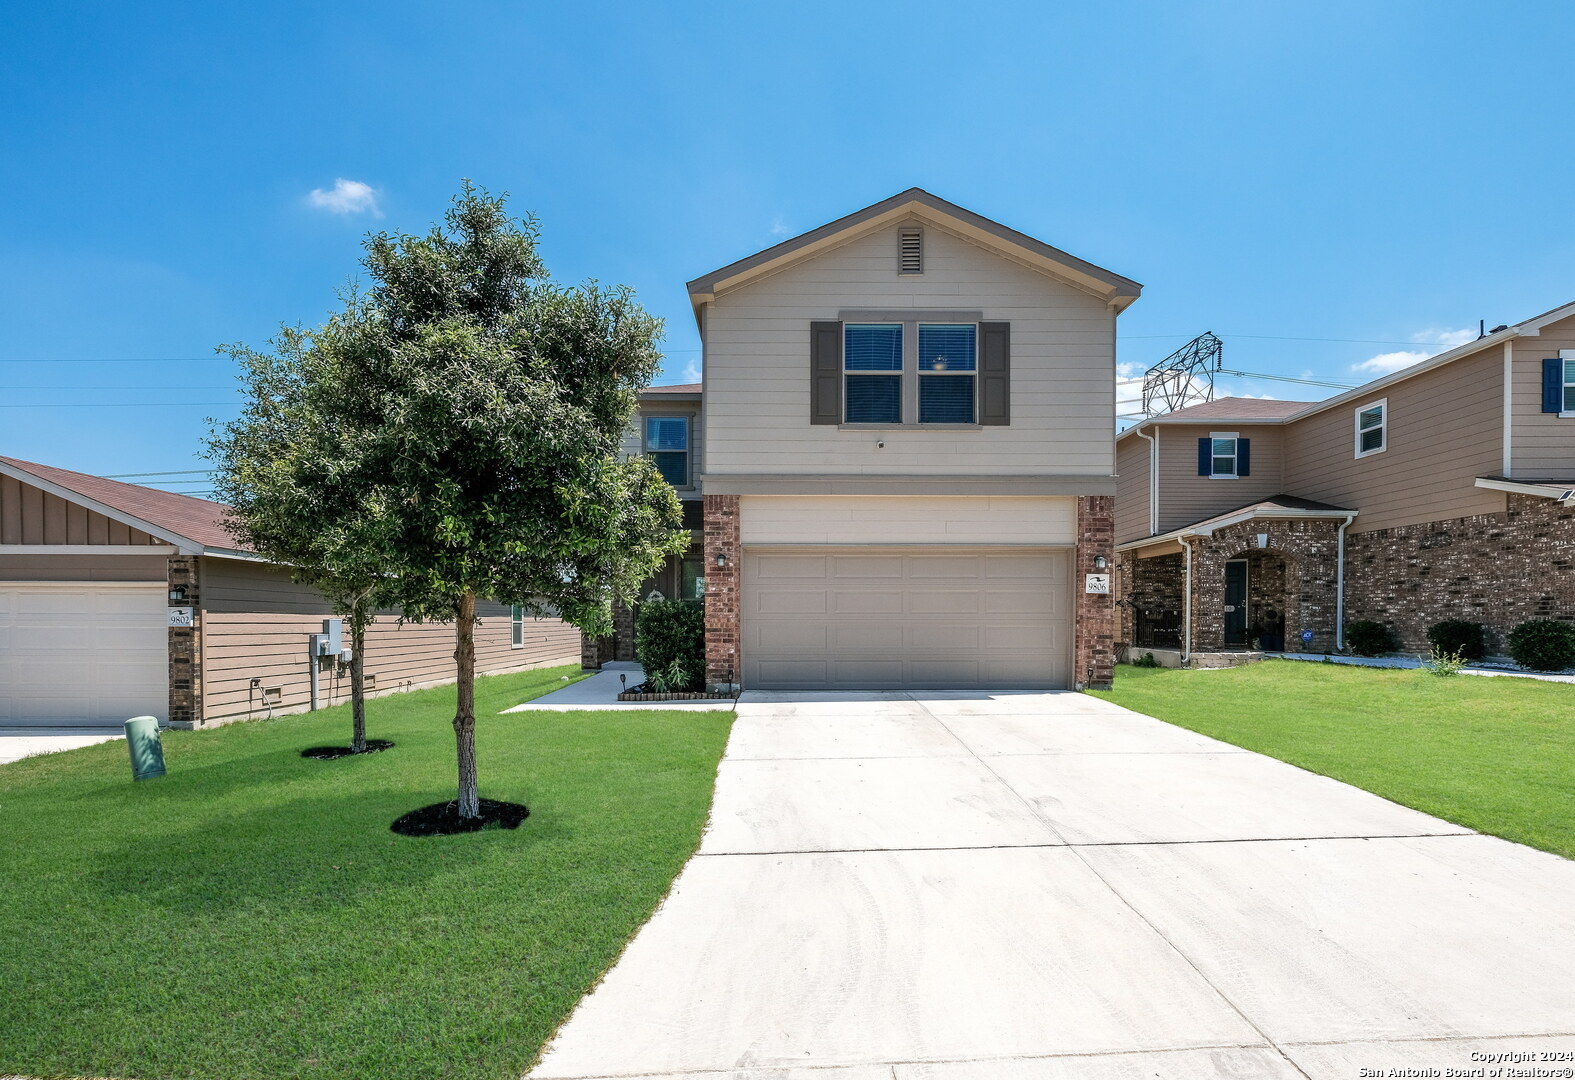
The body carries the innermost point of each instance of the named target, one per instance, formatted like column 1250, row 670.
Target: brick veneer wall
column 185, row 656
column 723, row 659
column 1094, row 614
column 1496, row 569
column 1308, row 550
column 1152, row 585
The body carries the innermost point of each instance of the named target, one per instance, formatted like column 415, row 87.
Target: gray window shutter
column 995, row 373
column 825, row 373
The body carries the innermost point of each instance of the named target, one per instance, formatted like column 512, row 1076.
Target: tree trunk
column 357, row 681
column 465, row 714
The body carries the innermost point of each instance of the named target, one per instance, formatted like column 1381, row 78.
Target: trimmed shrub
column 1543, row 645
column 1367, row 638
column 669, row 643
column 1460, row 637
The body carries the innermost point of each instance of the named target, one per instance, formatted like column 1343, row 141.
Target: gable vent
column 910, row 252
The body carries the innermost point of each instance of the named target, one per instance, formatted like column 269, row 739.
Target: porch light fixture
column 178, row 594
column 1263, row 540
column 721, row 558
column 1099, row 562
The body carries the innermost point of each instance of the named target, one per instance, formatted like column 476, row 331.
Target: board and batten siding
column 256, row 623
column 886, row 520
column 1445, row 430
column 1186, row 498
column 757, row 367
column 31, row 515
column 1543, row 443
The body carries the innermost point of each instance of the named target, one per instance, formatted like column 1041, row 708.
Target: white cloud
column 691, row 373
column 346, row 197
column 779, row 228
column 1384, row 363
column 1447, row 338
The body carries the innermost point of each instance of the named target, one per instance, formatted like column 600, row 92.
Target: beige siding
column 1132, row 489
column 1185, row 497
column 256, row 622
column 896, row 519
column 1544, row 443
column 30, row 515
column 757, row 367
column 1445, row 429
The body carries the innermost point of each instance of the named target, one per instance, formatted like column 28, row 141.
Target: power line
column 79, row 386
column 117, row 404
column 177, row 472
column 110, row 359
column 1290, row 379
column 1283, row 337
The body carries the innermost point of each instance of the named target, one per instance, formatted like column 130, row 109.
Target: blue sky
column 1375, row 177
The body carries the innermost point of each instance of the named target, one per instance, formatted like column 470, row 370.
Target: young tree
column 279, row 471
column 477, row 410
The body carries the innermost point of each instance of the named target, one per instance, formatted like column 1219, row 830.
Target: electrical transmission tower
column 1185, row 377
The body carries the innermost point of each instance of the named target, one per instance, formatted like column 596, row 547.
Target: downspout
column 1339, row 586
column 1153, row 481
column 1186, row 604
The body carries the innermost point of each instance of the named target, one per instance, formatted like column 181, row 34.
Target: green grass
column 250, row 914
column 1493, row 754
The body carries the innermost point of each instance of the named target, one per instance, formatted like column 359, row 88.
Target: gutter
column 1339, row 585
column 1153, row 479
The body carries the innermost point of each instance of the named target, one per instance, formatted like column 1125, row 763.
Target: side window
column 1568, row 405
column 1224, row 457
column 1372, row 428
column 872, row 373
column 667, row 445
column 948, row 372
column 517, row 627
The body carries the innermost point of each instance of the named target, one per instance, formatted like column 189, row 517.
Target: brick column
column 185, row 654
column 1094, row 621
column 623, row 631
column 723, row 663
column 593, row 652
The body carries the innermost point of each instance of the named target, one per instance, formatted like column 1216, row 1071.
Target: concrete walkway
column 19, row 742
column 961, row 886
column 601, row 691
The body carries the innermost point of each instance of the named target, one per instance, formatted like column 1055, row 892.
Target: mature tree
column 280, row 470
column 478, row 410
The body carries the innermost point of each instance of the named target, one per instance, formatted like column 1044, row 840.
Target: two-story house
column 905, row 457
column 1439, row 491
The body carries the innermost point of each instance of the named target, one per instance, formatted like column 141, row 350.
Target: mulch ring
column 442, row 819
column 334, row 753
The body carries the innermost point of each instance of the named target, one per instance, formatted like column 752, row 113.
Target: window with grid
column 872, row 373
column 948, row 372
column 667, row 445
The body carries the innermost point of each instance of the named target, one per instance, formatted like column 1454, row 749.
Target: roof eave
column 184, row 544
column 1210, row 527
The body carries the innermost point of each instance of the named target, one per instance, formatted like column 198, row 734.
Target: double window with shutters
column 910, row 371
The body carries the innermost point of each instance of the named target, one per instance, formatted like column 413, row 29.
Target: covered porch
column 1261, row 578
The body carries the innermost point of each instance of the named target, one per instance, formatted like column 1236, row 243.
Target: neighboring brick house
column 1440, row 491
column 118, row 600
column 908, row 471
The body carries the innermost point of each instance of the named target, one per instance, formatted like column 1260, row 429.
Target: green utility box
column 147, row 754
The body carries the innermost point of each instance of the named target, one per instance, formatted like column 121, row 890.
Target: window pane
column 1225, row 447
column 874, row 399
column 946, row 399
column 872, row 347
column 693, row 585
column 667, row 433
column 1224, row 466
column 674, row 467
column 1372, row 440
column 1372, row 418
column 1569, row 371
column 947, row 348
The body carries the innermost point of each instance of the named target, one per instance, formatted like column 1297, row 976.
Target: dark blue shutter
column 1205, row 457
column 1243, row 457
column 1553, row 385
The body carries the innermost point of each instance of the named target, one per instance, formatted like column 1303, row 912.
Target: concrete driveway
column 964, row 886
column 17, row 743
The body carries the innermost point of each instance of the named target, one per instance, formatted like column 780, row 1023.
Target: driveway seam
column 1187, row 959
column 1083, row 844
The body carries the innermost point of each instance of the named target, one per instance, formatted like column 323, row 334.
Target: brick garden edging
column 704, row 695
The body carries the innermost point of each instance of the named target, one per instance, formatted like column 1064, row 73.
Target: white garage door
column 82, row 655
column 930, row 619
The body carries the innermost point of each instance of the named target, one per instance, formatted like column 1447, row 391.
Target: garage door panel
column 870, row 618
column 82, row 654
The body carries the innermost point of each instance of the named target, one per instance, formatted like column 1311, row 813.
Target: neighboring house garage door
column 82, row 655
column 932, row 619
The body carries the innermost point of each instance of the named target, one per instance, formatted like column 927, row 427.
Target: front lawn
column 1493, row 754
column 250, row 914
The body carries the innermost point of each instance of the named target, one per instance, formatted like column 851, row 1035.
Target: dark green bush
column 1460, row 637
column 1367, row 638
column 669, row 633
column 1543, row 645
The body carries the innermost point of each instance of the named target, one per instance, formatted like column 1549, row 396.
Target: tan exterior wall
column 634, row 438
column 30, row 515
column 1445, row 430
column 82, row 567
column 1132, row 489
column 256, row 622
column 757, row 367
column 897, row 519
column 1543, row 443
column 1186, row 497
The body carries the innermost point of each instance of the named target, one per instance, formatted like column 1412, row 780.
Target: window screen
column 872, row 373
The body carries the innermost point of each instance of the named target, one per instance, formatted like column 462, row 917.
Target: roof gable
column 918, row 204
